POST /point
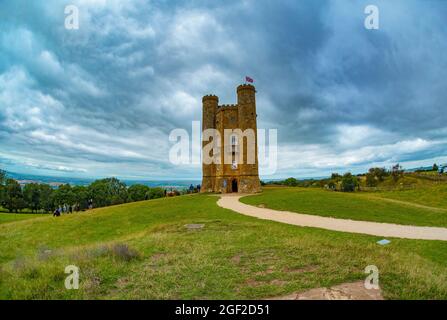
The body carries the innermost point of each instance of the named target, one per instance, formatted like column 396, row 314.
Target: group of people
column 65, row 209
column 192, row 189
column 70, row 208
column 171, row 192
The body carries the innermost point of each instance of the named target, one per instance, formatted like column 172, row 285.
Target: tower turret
column 209, row 105
column 247, row 120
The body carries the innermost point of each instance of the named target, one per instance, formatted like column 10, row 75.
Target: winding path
column 346, row 225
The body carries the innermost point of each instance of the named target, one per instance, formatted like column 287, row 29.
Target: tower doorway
column 234, row 185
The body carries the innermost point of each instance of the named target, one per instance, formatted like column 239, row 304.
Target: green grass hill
column 143, row 250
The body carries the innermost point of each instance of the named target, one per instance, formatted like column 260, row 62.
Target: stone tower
column 235, row 168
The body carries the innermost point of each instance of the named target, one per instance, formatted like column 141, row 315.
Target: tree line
column 40, row 197
column 348, row 182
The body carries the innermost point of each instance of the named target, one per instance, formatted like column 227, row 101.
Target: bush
column 332, row 185
column 292, row 182
column 349, row 182
column 335, row 177
column 397, row 172
column 138, row 192
column 124, row 252
column 371, row 180
column 155, row 193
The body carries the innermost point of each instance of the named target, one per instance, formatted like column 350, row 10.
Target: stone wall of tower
column 227, row 118
column 209, row 109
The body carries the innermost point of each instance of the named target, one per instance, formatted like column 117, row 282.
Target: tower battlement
column 246, row 87
column 210, row 97
column 237, row 176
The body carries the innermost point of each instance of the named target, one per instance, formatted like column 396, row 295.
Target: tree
column 379, row 173
column 63, row 195
column 106, row 192
column 335, row 176
column 13, row 197
column 292, row 182
column 81, row 197
column 32, row 196
column 2, row 185
column 435, row 167
column 371, row 180
column 2, row 177
column 46, row 198
column 396, row 172
column 155, row 193
column 349, row 182
column 374, row 176
column 137, row 192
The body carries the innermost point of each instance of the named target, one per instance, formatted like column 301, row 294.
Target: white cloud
column 320, row 158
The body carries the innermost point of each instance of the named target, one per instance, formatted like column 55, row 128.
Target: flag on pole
column 248, row 79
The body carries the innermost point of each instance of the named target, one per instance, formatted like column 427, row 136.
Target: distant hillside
column 29, row 178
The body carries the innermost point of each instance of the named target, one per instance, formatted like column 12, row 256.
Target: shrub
column 138, row 192
column 397, row 172
column 155, row 193
column 349, row 182
column 331, row 185
column 123, row 252
column 292, row 182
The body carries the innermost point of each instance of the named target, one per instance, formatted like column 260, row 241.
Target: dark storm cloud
column 102, row 100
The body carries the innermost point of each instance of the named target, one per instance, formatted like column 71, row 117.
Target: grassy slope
column 234, row 256
column 434, row 195
column 11, row 217
column 357, row 206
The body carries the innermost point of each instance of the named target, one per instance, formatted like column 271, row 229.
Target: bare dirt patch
column 122, row 282
column 277, row 282
column 236, row 259
column 344, row 291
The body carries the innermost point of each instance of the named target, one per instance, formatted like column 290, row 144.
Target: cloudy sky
column 102, row 100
